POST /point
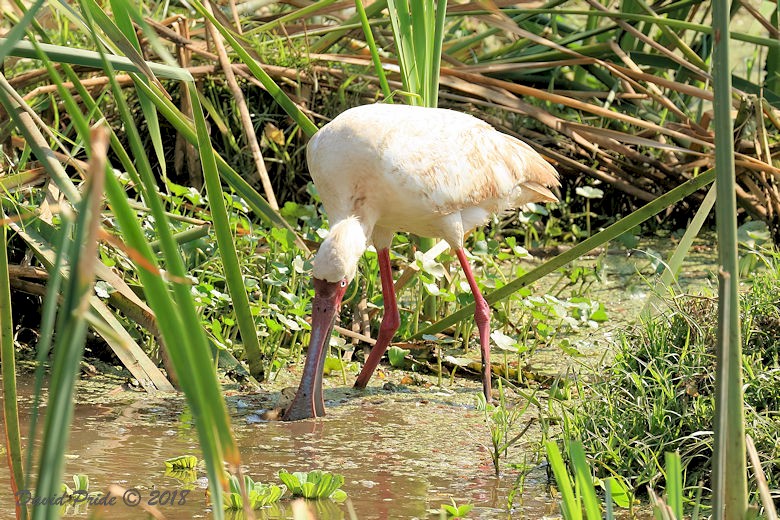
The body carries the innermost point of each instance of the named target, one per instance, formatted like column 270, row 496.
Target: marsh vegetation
column 159, row 225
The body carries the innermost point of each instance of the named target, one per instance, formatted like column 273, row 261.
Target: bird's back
column 402, row 166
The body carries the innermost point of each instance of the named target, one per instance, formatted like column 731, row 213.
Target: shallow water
column 403, row 452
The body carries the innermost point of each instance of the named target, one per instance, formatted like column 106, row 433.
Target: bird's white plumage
column 429, row 171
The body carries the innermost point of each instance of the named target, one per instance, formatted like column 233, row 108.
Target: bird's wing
column 463, row 162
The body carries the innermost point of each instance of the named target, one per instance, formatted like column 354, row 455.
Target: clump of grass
column 658, row 394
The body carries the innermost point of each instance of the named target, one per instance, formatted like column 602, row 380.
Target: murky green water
column 404, row 452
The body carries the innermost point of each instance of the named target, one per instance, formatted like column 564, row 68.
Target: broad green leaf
column 397, row 356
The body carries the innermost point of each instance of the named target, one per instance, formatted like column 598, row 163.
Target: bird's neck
column 341, row 250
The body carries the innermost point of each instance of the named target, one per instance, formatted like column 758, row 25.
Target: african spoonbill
column 432, row 172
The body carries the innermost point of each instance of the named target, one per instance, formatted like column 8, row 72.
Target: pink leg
column 482, row 317
column 390, row 321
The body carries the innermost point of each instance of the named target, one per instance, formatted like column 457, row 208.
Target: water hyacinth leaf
column 504, row 342
column 569, row 349
column 456, row 511
column 290, row 480
column 312, row 485
column 338, row 496
column 432, row 289
column 754, row 233
column 182, row 462
column 438, row 339
column 233, row 502
column 397, row 356
column 599, row 314
column 267, row 494
column 322, row 485
column 235, row 484
column 308, row 490
column 589, row 192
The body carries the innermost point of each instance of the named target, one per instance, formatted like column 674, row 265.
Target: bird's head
column 332, row 269
column 339, row 253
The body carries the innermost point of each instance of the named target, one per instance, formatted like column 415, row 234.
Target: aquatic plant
column 181, row 462
column 80, row 484
column 314, row 484
column 455, row 510
column 183, row 468
column 501, row 421
column 260, row 495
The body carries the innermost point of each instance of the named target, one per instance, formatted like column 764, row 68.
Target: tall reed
column 729, row 485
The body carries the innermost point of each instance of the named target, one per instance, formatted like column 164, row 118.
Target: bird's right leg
column 390, row 321
column 482, row 318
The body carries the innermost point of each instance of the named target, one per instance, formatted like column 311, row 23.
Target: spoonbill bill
column 432, row 172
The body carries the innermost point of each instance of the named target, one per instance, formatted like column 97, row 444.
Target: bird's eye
column 343, row 283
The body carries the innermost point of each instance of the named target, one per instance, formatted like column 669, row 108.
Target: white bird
column 432, row 172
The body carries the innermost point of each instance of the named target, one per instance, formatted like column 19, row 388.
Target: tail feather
column 534, row 175
column 540, row 193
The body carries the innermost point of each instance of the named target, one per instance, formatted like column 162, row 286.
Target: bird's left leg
column 390, row 321
column 482, row 318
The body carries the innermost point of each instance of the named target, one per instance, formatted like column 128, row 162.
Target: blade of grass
column 763, row 488
column 674, row 483
column 570, row 506
column 227, row 250
column 438, row 42
column 729, row 459
column 48, row 319
column 13, row 439
column 772, row 81
column 679, row 25
column 124, row 25
column 191, row 359
column 71, row 331
column 303, row 12
column 61, row 54
column 584, row 479
column 372, row 48
column 330, row 39
column 672, row 267
column 400, row 19
column 17, row 31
